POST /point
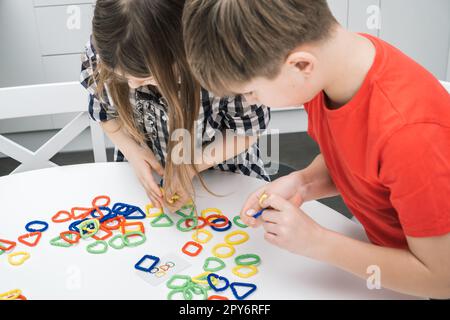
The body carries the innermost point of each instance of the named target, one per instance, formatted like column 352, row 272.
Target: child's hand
column 288, row 187
column 176, row 194
column 144, row 163
column 290, row 228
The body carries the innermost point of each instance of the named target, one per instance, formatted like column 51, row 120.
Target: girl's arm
column 141, row 158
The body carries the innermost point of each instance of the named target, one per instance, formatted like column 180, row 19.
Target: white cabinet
column 421, row 29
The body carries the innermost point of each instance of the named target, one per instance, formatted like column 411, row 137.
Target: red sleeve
column 415, row 166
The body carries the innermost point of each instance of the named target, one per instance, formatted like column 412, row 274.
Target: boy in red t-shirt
column 382, row 123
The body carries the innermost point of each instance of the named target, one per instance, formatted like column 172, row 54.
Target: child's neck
column 349, row 58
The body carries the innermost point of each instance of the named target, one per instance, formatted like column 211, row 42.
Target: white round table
column 72, row 273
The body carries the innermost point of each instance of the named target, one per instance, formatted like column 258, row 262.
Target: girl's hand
column 289, row 228
column 289, row 187
column 177, row 195
column 144, row 163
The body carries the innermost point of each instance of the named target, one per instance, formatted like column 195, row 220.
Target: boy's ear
column 303, row 61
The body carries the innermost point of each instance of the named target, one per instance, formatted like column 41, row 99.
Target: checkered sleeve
column 100, row 107
column 243, row 118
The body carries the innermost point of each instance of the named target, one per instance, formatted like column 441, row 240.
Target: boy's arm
column 423, row 271
column 315, row 181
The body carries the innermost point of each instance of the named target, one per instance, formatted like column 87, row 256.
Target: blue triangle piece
column 136, row 214
column 241, row 284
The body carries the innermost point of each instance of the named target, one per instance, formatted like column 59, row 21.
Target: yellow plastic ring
column 263, row 197
column 155, row 212
column 25, row 257
column 211, row 210
column 223, row 255
column 201, row 278
column 244, row 238
column 237, row 271
column 11, row 295
column 197, row 232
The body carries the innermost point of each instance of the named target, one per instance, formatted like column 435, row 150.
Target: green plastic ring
column 134, row 233
column 237, row 221
column 187, row 295
column 178, row 277
column 91, row 247
column 181, row 221
column 239, row 259
column 156, row 224
column 197, row 290
column 112, row 244
column 58, row 242
column 221, row 266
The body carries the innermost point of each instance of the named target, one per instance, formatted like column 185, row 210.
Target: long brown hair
column 232, row 42
column 143, row 38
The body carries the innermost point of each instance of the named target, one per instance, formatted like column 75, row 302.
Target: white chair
column 48, row 99
column 446, row 85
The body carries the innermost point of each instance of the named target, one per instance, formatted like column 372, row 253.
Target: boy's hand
column 290, row 228
column 144, row 163
column 289, row 187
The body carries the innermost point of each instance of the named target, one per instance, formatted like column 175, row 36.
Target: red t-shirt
column 388, row 149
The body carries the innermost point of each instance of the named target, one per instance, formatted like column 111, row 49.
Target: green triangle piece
column 158, row 224
column 58, row 242
column 186, row 211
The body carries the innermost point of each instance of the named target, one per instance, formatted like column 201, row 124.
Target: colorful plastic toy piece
column 37, row 236
column 208, row 261
column 29, row 226
column 128, row 235
column 237, row 271
column 88, row 228
column 213, row 223
column 74, row 225
column 80, row 213
column 97, row 247
column 183, row 220
column 192, row 244
column 188, row 222
column 202, row 278
column 195, row 236
column 170, row 284
column 113, row 240
column 59, row 242
column 113, row 223
column 221, row 229
column 228, row 237
column 106, row 199
column 158, row 222
column 237, row 221
column 215, row 211
column 216, row 248
column 245, row 285
column 71, row 237
column 153, row 212
column 215, row 297
column 138, row 266
column 62, row 216
column 10, row 245
column 11, row 295
column 239, row 260
column 124, row 227
column 259, row 213
column 99, row 212
column 219, row 278
column 24, row 256
column 107, row 235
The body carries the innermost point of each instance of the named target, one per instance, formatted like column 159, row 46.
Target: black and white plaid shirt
column 216, row 115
